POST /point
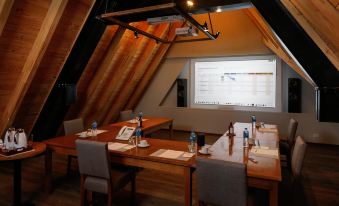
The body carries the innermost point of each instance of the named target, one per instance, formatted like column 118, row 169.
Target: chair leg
column 133, row 198
column 83, row 192
column 110, row 193
column 69, row 164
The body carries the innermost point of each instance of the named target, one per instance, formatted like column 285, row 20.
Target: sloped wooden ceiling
column 320, row 21
column 119, row 71
column 36, row 38
column 34, row 44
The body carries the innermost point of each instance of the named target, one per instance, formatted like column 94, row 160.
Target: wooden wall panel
column 53, row 61
column 33, row 60
column 110, row 86
column 110, row 37
column 320, row 20
column 5, row 8
column 16, row 41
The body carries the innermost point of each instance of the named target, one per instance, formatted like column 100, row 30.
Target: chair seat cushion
column 120, row 178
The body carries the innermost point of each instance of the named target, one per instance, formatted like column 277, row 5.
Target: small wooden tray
column 14, row 152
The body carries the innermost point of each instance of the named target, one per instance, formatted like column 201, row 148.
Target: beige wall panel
column 238, row 36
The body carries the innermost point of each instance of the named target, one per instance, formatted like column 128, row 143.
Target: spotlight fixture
column 136, row 34
column 190, row 3
column 205, row 26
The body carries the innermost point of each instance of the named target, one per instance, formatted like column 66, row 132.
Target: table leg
column 17, row 183
column 188, row 186
column 170, row 127
column 48, row 171
column 274, row 194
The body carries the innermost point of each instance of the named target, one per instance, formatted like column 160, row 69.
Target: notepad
column 272, row 153
column 99, row 131
column 171, row 154
column 119, row 146
column 274, row 130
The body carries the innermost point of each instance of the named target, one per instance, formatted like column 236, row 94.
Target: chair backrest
column 126, row 115
column 292, row 129
column 221, row 182
column 93, row 158
column 298, row 155
column 73, row 126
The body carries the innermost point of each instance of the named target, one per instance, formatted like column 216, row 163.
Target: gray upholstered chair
column 286, row 144
column 291, row 191
column 126, row 115
column 96, row 172
column 221, row 183
column 298, row 156
column 72, row 127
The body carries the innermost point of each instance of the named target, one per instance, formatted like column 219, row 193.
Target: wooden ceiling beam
column 5, row 8
column 104, row 72
column 149, row 73
column 273, row 43
column 136, row 75
column 320, row 21
column 122, row 71
column 33, row 60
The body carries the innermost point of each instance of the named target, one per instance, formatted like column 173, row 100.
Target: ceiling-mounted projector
column 164, row 19
column 186, row 31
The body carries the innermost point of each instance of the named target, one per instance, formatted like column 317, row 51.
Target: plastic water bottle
column 246, row 135
column 138, row 134
column 140, row 119
column 192, row 142
column 94, row 128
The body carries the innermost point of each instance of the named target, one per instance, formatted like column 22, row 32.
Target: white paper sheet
column 99, row 131
column 171, row 154
column 134, row 121
column 189, row 155
column 274, row 130
column 272, row 153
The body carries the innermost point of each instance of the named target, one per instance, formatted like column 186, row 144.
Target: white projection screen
column 240, row 83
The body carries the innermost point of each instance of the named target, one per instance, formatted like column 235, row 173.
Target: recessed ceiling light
column 190, row 3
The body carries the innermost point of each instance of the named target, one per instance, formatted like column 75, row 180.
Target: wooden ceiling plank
column 92, row 67
column 5, row 8
column 273, row 43
column 331, row 54
column 136, row 76
column 152, row 68
column 287, row 59
column 33, row 60
column 102, row 75
column 122, row 73
column 27, row 117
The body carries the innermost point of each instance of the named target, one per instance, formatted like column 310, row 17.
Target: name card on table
column 172, row 154
column 263, row 152
column 116, row 146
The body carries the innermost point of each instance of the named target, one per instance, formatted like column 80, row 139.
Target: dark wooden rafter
column 55, row 110
column 33, row 60
column 303, row 48
column 135, row 76
column 5, row 8
column 149, row 73
column 50, row 67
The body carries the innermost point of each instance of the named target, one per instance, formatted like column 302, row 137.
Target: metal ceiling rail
column 111, row 18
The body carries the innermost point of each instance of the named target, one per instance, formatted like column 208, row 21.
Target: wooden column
column 33, row 60
column 5, row 8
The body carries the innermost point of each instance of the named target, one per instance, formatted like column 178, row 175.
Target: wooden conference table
column 151, row 124
column 265, row 174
